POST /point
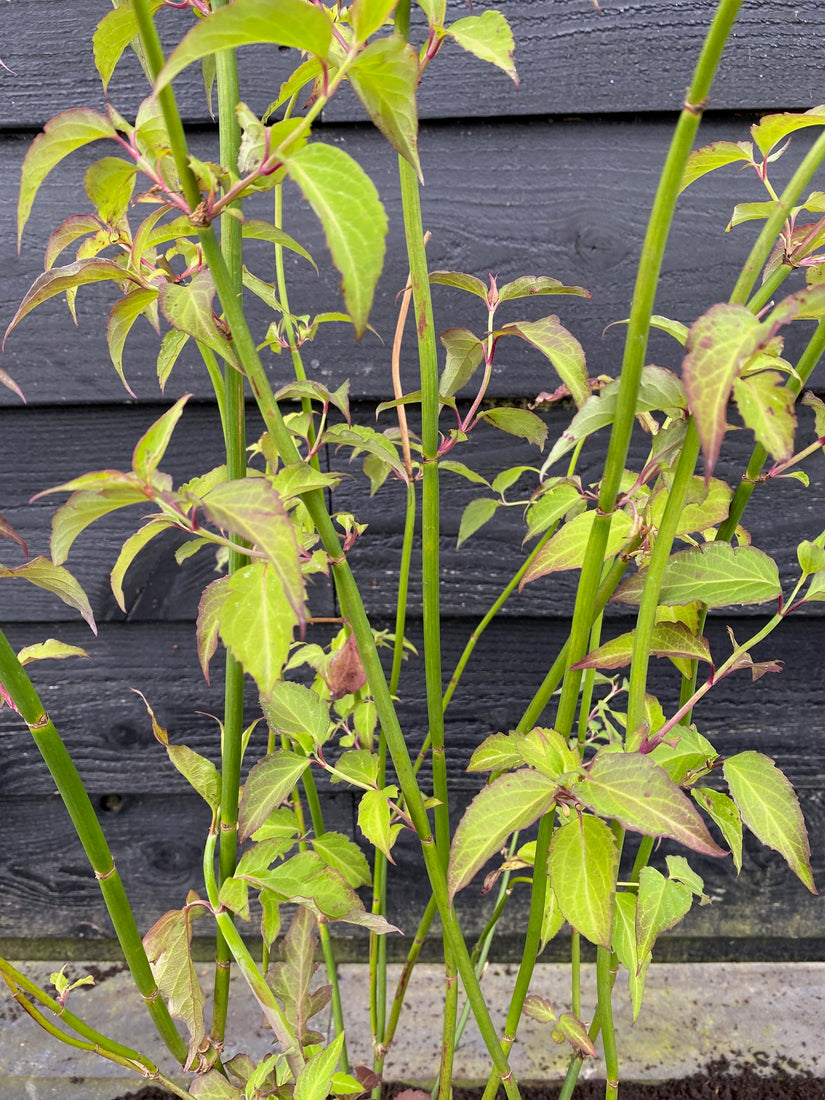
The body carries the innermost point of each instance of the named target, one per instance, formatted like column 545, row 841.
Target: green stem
column 404, row 981
column 77, row 802
column 604, row 981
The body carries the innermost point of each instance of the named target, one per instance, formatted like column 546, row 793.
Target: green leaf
column 369, row 16
column 771, row 129
column 208, row 622
column 718, row 574
column 268, row 784
column 59, row 280
column 171, row 346
column 463, row 471
column 710, row 157
column 345, row 857
column 497, row 753
column 374, row 817
column 306, row 879
column 168, row 946
column 290, row 978
column 298, row 712
column 767, row 407
column 658, row 389
column 684, row 751
column 475, row 515
column 358, row 765
column 50, row 650
column 583, row 864
column 435, row 10
column 151, row 447
column 69, row 231
column 63, row 134
column 629, row 787
column 295, row 23
column 519, row 422
column 314, row 1079
column 385, row 79
column 465, row 353
column 489, row 37
column 256, row 229
column 122, row 317
column 547, row 751
column 722, row 809
column 719, row 344
column 570, row 1029
column 212, row 1085
column 257, row 623
column 113, row 34
column 251, row 508
column 527, row 286
column 551, row 921
column 706, row 504
column 750, row 211
column 461, row 281
column 188, row 308
column 566, row 549
column 511, row 802
column 539, row 1008
column 666, row 640
column 660, row 904
column 110, row 184
column 55, row 579
column 679, row 869
column 346, row 203
column 362, row 438
column 558, row 497
column 563, row 350
column 84, row 507
column 770, row 809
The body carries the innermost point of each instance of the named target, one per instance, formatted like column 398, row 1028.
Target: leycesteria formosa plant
column 596, row 759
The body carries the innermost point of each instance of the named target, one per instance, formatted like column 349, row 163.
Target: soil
column 720, row 1081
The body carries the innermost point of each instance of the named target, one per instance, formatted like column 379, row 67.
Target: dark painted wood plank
column 629, row 57
column 567, row 199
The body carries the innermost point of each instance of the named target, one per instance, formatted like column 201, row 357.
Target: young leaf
column 257, row 622
column 171, row 346
column 767, row 407
column 259, row 230
column 667, row 640
column 722, row 809
column 50, row 650
column 707, row 159
column 660, row 904
column 267, row 785
column 520, row 422
column 558, row 497
column 565, row 550
column 208, row 624
column 188, row 308
column 63, row 134
column 770, row 809
column 369, row 16
column 295, row 23
column 510, row 802
column 570, row 1029
column 717, row 573
column 360, row 766
column 113, row 34
column 684, row 751
column 345, row 857
column 583, row 864
column 465, row 353
column 489, row 37
column 298, row 712
column 629, row 787
column 289, row 979
column 679, row 869
column 212, row 1085
column 385, row 79
column 374, row 817
column 475, row 515
column 314, row 1079
column 563, row 350
column 110, row 184
column 151, row 447
column 551, row 921
column 460, row 280
column 168, row 945
column 497, row 753
column 539, row 1008
column 527, row 286
column 122, row 317
column 771, row 129
column 57, row 580
column 346, row 203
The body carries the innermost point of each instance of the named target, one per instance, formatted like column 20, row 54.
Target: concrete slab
column 754, row 1013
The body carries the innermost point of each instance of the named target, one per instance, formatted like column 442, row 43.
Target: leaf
column 539, row 1008
column 770, row 809
column 512, row 802
column 369, row 16
column 50, row 650
column 527, row 286
column 558, row 497
column 268, row 784
column 345, row 857
column 113, row 34
column 679, row 869
column 259, row 230
column 767, row 407
column 171, row 346
column 706, row 504
column 683, row 752
column 59, row 280
column 583, row 864
column 168, row 946
column 461, row 281
column 151, row 447
column 475, row 515
column 314, row 1079
column 55, row 579
column 628, row 786
column 465, row 353
column 497, row 753
column 660, row 904
column 361, row 438
column 385, row 79
column 463, row 471
column 64, row 133
column 723, row 811
column 188, row 308
column 547, row 751
column 718, row 574
column 771, row 129
column 8, row 532
column 710, row 157
column 212, row 1085
column 570, row 1029
column 360, row 766
column 289, row 979
column 666, row 640
column 298, row 712
column 84, row 507
column 346, row 203
column 208, row 622
column 346, row 671
column 122, row 317
column 257, row 622
column 719, row 344
column 519, row 422
column 489, row 37
column 295, row 23
column 566, row 549
column 563, row 350
column 374, row 816
column 110, row 184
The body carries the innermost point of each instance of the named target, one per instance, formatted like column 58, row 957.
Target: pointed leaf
column 369, row 16
column 168, row 946
column 767, row 407
column 722, row 809
column 583, row 864
column 520, row 422
column 345, row 857
column 268, row 784
column 563, row 350
column 346, row 203
column 497, row 753
column 629, row 787
column 129, row 551
column 84, row 507
column 489, row 37
column 257, row 623
column 113, row 34
column 527, row 286
column 570, row 1029
column 298, row 712
column 122, row 317
column 660, row 904
column 475, row 515
column 718, row 574
column 707, row 159
column 171, row 346
column 509, row 803
column 385, row 79
column 78, row 225
column 314, row 1079
column 460, row 280
column 151, row 447
column 63, row 134
column 566, row 549
column 57, row 580
column 770, row 809
column 465, row 353
column 188, row 308
column 684, row 751
column 295, row 23
column 771, row 129
column 50, row 650
column 667, row 640
column 290, row 978
column 374, row 816
column 211, row 602
column 262, row 231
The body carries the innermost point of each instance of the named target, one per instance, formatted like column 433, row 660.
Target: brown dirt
column 716, row 1082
